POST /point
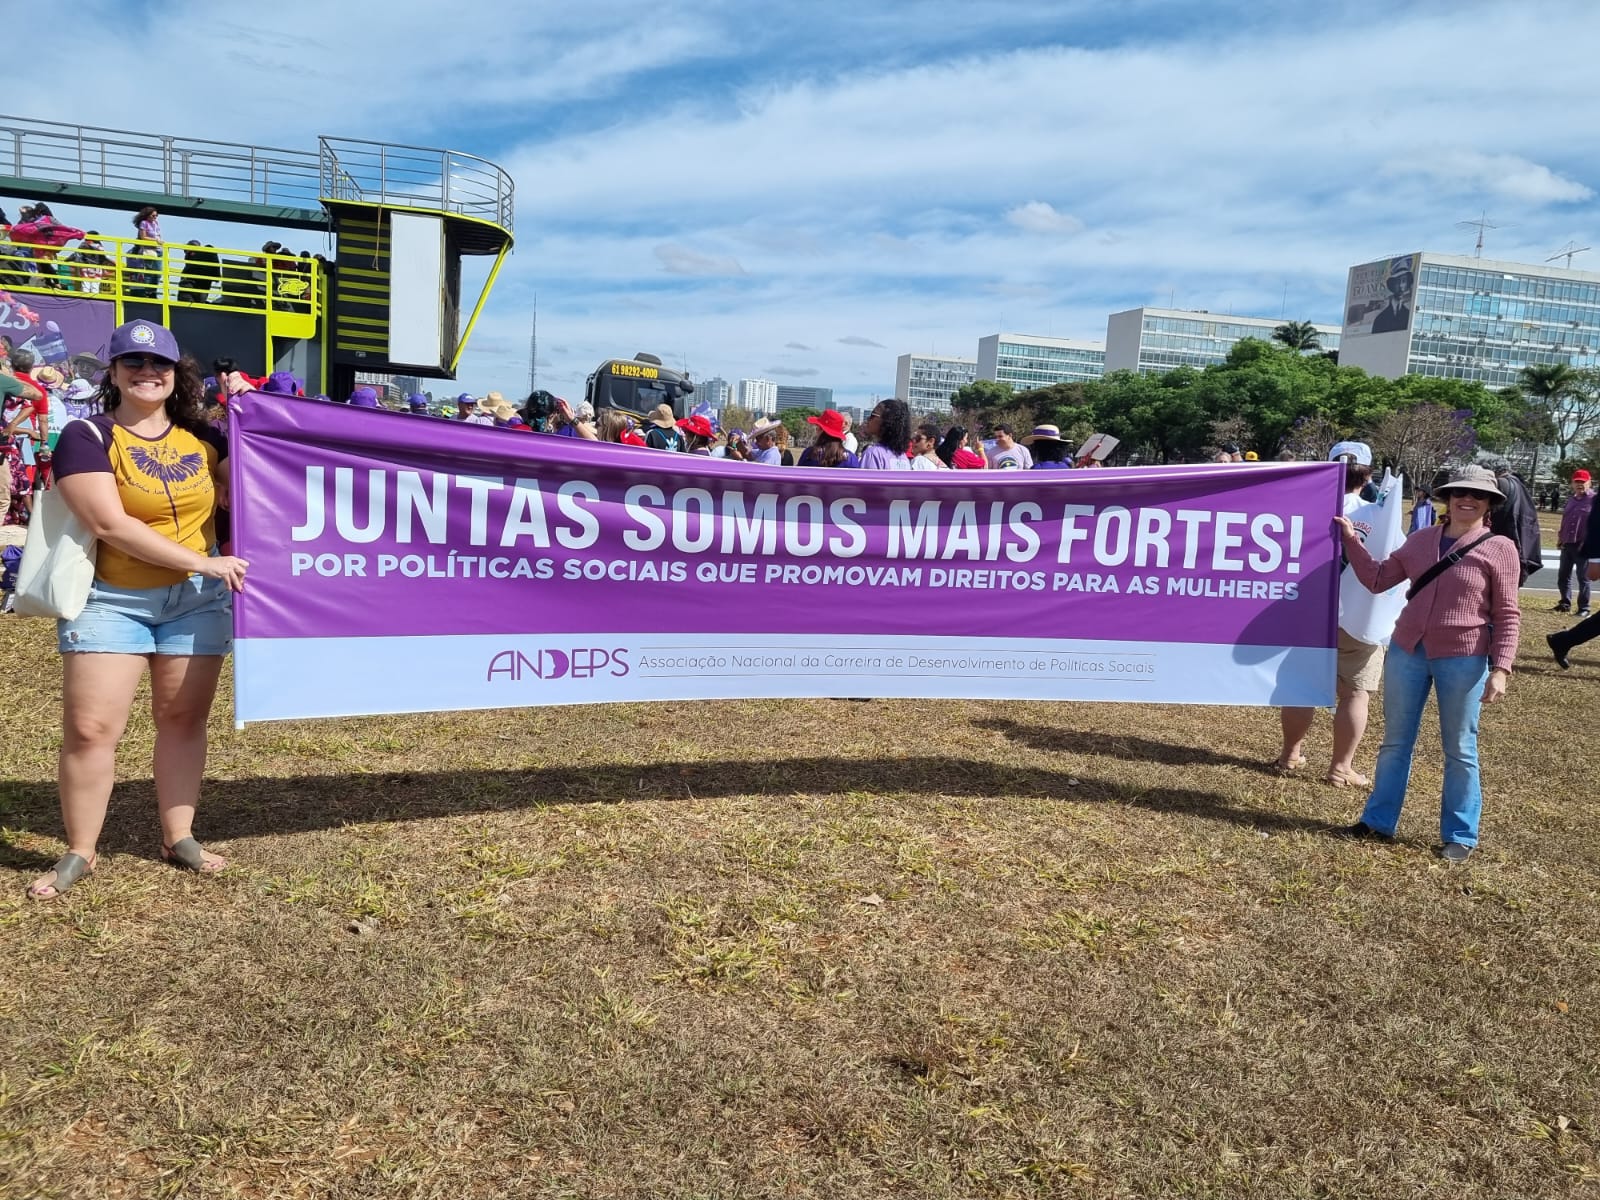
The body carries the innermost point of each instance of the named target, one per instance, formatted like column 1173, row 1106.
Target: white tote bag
column 57, row 568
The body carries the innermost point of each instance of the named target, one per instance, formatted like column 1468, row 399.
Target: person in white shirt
column 1008, row 452
column 924, row 456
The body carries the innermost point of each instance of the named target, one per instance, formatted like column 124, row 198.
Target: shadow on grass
column 1116, row 745
column 265, row 805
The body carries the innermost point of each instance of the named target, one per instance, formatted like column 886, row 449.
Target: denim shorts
column 194, row 617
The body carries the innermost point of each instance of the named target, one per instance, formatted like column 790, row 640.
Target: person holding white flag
column 1366, row 622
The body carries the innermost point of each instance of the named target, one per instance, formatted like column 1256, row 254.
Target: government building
column 1156, row 340
column 1026, row 361
column 1468, row 318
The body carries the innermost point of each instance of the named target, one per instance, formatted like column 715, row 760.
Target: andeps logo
column 581, row 662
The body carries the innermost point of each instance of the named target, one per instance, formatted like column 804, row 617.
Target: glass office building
column 1468, row 318
column 788, row 397
column 1026, row 361
column 926, row 382
column 1153, row 341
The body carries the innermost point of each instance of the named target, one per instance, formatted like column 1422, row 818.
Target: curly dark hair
column 894, row 425
column 185, row 407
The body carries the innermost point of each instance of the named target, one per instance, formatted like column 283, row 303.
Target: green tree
column 794, row 420
column 1546, row 387
column 982, row 394
column 1299, row 336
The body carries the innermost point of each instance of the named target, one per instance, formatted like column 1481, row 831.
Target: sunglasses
column 137, row 361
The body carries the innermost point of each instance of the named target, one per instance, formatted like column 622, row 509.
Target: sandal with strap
column 68, row 870
column 188, row 855
column 1346, row 779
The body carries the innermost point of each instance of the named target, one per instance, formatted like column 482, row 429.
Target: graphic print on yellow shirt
column 165, row 482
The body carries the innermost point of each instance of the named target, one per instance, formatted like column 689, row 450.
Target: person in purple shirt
column 1574, row 523
column 889, row 427
column 828, row 448
column 1049, row 452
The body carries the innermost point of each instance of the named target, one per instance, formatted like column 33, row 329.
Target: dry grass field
column 809, row 949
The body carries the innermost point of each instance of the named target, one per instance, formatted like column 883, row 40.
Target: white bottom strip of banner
column 284, row 678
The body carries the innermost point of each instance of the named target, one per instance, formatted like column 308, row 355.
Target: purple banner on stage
column 68, row 332
column 363, row 524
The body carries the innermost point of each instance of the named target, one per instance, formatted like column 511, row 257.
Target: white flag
column 1382, row 528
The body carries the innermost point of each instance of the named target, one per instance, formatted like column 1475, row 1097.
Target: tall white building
column 1026, row 361
column 1468, row 318
column 759, row 396
column 926, row 381
column 1156, row 340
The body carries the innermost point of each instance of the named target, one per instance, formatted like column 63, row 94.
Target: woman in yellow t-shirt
column 145, row 477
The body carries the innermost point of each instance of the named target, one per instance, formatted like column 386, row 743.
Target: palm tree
column 1545, row 386
column 1299, row 336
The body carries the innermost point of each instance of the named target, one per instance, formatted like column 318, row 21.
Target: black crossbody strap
column 1443, row 565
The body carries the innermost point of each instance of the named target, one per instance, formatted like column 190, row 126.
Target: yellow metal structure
column 287, row 290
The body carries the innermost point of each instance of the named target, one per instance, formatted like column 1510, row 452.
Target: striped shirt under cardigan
column 1470, row 608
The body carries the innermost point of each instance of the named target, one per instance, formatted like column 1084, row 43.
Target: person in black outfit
column 1564, row 643
column 1517, row 519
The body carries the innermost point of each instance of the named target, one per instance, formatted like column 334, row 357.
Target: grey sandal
column 68, row 870
column 187, row 855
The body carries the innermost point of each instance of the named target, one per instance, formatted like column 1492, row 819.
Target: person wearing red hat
column 1574, row 521
column 698, row 435
column 827, row 449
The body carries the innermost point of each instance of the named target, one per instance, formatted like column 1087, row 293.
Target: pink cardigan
column 1470, row 608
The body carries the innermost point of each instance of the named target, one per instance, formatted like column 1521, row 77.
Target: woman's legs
column 1406, row 679
column 97, row 692
column 181, row 691
column 1460, row 683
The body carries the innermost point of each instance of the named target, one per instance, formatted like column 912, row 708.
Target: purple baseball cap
column 283, row 383
column 417, row 402
column 144, row 337
column 465, row 398
column 364, row 397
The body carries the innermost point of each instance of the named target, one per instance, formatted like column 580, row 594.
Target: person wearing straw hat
column 1456, row 636
column 1050, row 452
column 764, row 438
column 662, row 433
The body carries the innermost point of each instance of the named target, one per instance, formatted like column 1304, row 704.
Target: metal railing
column 193, row 168
column 416, row 177
column 159, row 165
column 124, row 269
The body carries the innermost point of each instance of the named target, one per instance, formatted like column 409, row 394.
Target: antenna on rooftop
column 1480, row 225
column 1567, row 252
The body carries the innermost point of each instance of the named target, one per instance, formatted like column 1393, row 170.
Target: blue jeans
column 1407, row 676
column 1572, row 559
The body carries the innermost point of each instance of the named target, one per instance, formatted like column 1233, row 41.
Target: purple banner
column 366, row 524
column 68, row 332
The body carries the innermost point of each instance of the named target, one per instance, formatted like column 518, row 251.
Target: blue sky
column 803, row 192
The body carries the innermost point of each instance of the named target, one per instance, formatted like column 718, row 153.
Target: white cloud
column 855, row 339
column 1509, row 176
column 1038, row 217
column 679, row 260
column 852, row 179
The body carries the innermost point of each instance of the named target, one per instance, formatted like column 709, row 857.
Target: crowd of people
column 162, row 594
column 39, row 251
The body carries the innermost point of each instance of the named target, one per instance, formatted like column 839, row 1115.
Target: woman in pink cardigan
column 1457, row 635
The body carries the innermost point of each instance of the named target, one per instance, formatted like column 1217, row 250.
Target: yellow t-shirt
column 167, row 482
